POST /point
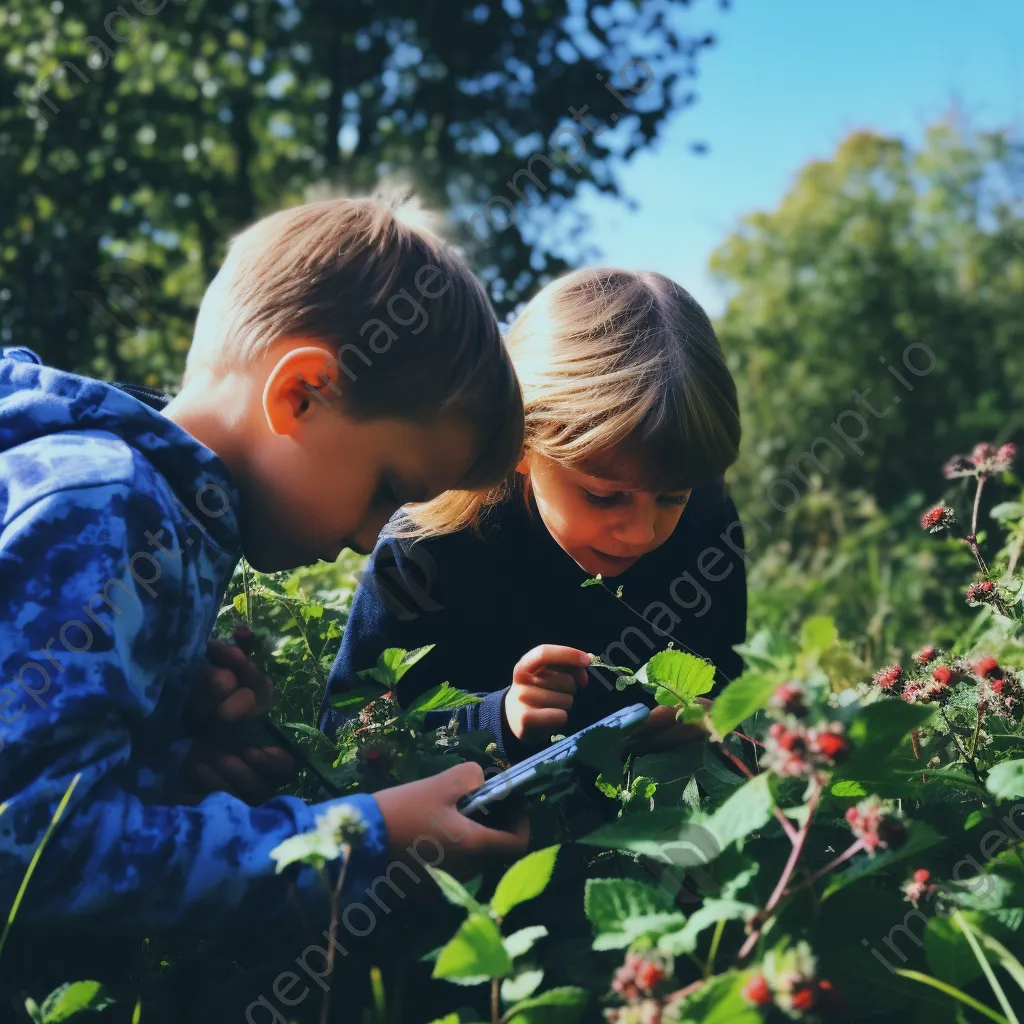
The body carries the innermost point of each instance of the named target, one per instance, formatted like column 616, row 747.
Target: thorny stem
column 787, row 825
column 787, row 871
column 973, row 539
column 335, row 894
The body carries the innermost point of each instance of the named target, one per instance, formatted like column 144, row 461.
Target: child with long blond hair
column 631, row 420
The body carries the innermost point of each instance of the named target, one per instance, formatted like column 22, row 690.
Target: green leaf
column 449, row 1018
column 32, row 1009
column 719, row 1001
column 677, row 677
column 454, row 891
column 947, row 951
column 1006, row 780
column 818, row 634
column 594, row 581
column 691, row 714
column 523, row 881
column 624, row 909
column 685, row 940
column 521, row 985
column 1006, row 510
column 394, row 663
column 685, row 837
column 556, row 1006
column 740, row 699
column 442, row 698
column 522, row 941
column 359, row 695
column 476, row 951
column 69, row 999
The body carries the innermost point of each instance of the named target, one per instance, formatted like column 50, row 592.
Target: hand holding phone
column 481, row 801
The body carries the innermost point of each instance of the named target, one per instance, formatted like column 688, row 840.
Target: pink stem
column 787, row 871
column 852, row 849
column 787, row 825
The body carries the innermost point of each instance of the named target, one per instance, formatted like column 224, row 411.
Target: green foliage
column 525, row 880
column 69, row 1000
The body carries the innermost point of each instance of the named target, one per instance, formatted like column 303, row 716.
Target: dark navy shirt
column 487, row 599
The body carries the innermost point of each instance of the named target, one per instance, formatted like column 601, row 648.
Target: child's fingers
column 497, row 842
column 540, row 719
column 539, row 697
column 272, row 762
column 240, row 704
column 210, row 688
column 247, row 673
column 547, row 680
column 555, row 656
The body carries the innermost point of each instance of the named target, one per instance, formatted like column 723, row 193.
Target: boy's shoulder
column 72, row 460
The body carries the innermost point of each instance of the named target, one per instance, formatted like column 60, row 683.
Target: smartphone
column 502, row 785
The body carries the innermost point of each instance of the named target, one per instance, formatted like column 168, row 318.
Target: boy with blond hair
column 344, row 364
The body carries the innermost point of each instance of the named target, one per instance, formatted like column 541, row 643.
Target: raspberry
column 988, row 668
column 926, row 654
column 649, row 974
column 756, row 991
column 1005, row 456
column 921, row 876
column 789, row 698
column 980, row 591
column 937, row 519
column 997, row 685
column 942, row 674
column 832, row 746
column 980, row 453
column 803, row 998
column 888, row 677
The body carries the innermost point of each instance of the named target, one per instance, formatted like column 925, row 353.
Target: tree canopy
column 135, row 140
column 884, row 259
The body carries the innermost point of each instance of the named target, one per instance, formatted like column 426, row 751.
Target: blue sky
column 786, row 82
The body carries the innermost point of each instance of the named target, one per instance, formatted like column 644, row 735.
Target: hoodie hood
column 38, row 401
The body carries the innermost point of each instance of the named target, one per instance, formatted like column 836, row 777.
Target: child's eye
column 676, row 500
column 603, row 500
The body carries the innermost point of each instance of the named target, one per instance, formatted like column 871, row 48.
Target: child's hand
column 660, row 731
column 228, row 689
column 422, row 811
column 229, row 686
column 543, row 683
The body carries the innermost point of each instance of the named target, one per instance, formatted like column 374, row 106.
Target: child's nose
column 636, row 530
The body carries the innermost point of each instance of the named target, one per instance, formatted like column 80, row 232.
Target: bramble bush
column 844, row 845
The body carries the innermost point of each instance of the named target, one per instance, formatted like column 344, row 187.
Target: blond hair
column 415, row 334
column 620, row 370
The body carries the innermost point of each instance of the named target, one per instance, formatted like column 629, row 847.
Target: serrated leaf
column 68, row 999
column 454, row 891
column 740, row 699
column 624, row 909
column 359, row 695
column 526, row 879
column 685, row 940
column 1006, row 780
column 475, row 951
column 676, row 677
column 442, row 698
column 522, row 941
column 393, row 663
column 556, row 1006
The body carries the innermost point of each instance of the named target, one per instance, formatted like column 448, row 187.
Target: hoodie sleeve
column 92, row 623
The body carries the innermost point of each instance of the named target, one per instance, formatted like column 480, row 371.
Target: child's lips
column 616, row 559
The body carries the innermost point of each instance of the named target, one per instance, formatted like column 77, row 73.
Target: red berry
column 926, row 654
column 981, row 452
column 997, row 685
column 942, row 674
column 832, row 745
column 803, row 998
column 921, row 876
column 888, row 677
column 830, row 999
column 648, row 975
column 987, row 667
column 756, row 991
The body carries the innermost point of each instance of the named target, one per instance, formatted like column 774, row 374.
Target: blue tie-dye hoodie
column 118, row 534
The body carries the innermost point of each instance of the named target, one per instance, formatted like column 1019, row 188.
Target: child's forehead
column 624, row 468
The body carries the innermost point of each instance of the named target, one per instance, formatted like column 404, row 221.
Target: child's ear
column 302, row 378
column 523, row 465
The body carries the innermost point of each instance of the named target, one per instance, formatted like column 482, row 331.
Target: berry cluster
column 876, row 825
column 984, row 460
column 787, row 980
column 1000, row 691
column 378, row 713
column 798, row 750
column 937, row 519
column 635, row 981
column 920, row 887
column 982, row 592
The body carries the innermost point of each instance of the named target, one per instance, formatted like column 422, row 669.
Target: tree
column 134, row 141
column 881, row 261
